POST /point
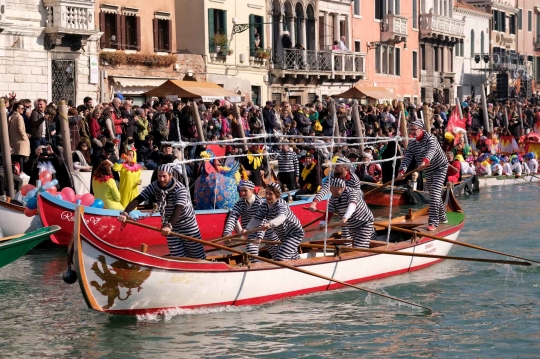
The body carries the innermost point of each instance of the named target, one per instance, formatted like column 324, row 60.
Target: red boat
column 104, row 223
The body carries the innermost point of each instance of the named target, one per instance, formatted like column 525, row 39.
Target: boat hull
column 13, row 220
column 11, row 250
column 105, row 225
column 490, row 181
column 125, row 281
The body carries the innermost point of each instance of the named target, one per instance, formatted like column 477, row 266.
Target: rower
column 435, row 165
column 354, row 213
column 244, row 210
column 275, row 215
column 177, row 214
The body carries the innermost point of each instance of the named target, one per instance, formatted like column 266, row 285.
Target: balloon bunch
column 87, row 199
column 30, row 192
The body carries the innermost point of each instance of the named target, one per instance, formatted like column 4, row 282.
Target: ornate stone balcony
column 394, row 28
column 441, row 27
column 69, row 17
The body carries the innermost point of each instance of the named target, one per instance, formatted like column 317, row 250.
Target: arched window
column 482, row 42
column 472, row 44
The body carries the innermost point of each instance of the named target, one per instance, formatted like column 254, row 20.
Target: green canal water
column 481, row 310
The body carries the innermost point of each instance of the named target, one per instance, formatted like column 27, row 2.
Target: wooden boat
column 13, row 221
column 12, row 249
column 507, row 180
column 104, row 223
column 122, row 280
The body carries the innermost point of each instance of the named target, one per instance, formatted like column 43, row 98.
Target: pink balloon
column 87, row 199
column 45, row 177
column 52, row 191
column 68, row 194
column 27, row 188
column 30, row 212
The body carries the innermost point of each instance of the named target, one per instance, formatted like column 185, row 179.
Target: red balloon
column 45, row 177
column 27, row 188
column 87, row 199
column 52, row 191
column 68, row 194
column 30, row 212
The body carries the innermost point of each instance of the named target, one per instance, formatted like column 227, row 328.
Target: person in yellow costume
column 104, row 186
column 130, row 177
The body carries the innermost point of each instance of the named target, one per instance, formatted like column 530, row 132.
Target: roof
column 377, row 93
column 208, row 91
column 460, row 4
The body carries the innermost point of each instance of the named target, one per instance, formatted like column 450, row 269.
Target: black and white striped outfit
column 289, row 231
column 245, row 211
column 174, row 195
column 288, row 169
column 428, row 148
column 360, row 223
column 352, row 182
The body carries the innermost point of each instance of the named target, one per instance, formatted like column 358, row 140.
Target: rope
column 392, row 189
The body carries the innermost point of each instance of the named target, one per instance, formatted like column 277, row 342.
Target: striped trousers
column 179, row 247
column 252, row 248
column 288, row 249
column 435, row 182
column 362, row 234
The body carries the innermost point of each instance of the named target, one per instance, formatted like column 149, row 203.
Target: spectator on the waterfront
column 454, row 168
column 81, row 158
column 342, row 46
column 18, row 138
column 38, row 126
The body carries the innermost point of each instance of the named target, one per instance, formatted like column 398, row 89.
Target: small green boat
column 12, row 249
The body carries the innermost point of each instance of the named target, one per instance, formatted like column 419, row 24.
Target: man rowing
column 177, row 214
column 275, row 215
column 354, row 212
column 434, row 163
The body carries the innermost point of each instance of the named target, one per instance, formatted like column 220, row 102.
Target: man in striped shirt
column 434, row 163
column 289, row 171
column 177, row 214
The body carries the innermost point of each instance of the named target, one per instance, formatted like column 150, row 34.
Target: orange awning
column 360, row 92
column 208, row 91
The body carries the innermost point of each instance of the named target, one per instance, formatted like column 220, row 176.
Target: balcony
column 393, row 28
column 333, row 64
column 441, row 28
column 69, row 17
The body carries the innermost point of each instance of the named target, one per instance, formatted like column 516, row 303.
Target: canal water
column 481, row 310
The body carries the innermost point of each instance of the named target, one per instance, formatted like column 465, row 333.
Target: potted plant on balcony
column 220, row 42
column 230, row 52
column 262, row 54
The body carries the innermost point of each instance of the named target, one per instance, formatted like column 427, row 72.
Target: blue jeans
column 36, row 142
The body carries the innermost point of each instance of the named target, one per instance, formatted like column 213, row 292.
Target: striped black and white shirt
column 175, row 195
column 351, row 181
column 288, row 162
column 243, row 210
column 427, row 148
column 281, row 218
column 362, row 213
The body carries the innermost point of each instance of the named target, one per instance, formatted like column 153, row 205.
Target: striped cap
column 342, row 160
column 417, row 123
column 165, row 168
column 274, row 186
column 337, row 182
column 247, row 184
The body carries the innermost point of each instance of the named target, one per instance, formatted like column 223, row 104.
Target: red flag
column 454, row 121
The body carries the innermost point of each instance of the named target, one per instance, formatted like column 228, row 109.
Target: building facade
column 48, row 49
column 388, row 31
column 469, row 55
column 439, row 32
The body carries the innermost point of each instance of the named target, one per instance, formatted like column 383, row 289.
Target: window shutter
column 260, row 20
column 169, row 42
column 156, row 35
column 118, row 31
column 138, row 28
column 102, row 29
column 252, row 50
column 224, row 21
column 211, row 30
column 398, row 61
column 123, row 41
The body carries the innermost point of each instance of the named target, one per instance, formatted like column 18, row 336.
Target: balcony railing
column 441, row 26
column 335, row 62
column 70, row 15
column 393, row 28
column 434, row 80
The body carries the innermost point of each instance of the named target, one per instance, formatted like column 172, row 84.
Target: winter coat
column 18, row 139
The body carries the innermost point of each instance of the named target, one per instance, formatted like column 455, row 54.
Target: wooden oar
column 11, row 237
column 442, row 239
column 388, row 183
column 280, row 264
column 235, row 235
column 410, row 254
column 313, row 221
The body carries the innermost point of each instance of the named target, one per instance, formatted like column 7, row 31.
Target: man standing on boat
column 177, row 214
column 354, row 212
column 434, row 164
column 245, row 209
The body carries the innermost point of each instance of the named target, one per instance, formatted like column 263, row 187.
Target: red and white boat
column 120, row 280
column 104, row 222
